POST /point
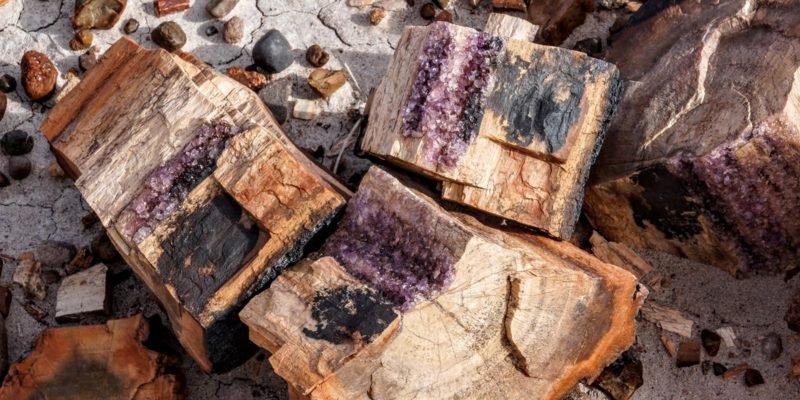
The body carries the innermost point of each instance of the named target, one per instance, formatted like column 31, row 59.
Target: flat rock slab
column 83, row 293
column 93, row 362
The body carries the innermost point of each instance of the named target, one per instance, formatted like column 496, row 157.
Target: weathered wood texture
column 94, row 362
column 703, row 158
column 200, row 190
column 509, row 127
column 83, row 293
column 406, row 300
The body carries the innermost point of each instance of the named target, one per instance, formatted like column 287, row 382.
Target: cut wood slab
column 83, row 293
column 198, row 187
column 509, row 127
column 703, row 158
column 406, row 300
column 93, row 362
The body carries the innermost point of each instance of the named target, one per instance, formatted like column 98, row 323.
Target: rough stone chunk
column 276, row 96
column 131, row 26
column 97, row 14
column 39, row 75
column 88, row 60
column 16, row 143
column 272, row 52
column 82, row 294
column 166, row 7
column 252, row 79
column 233, row 31
column 28, row 275
column 326, row 82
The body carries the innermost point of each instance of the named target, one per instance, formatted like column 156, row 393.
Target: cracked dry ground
column 42, row 208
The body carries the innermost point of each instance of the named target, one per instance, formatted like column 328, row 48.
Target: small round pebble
column 8, row 84
column 169, row 36
column 428, row 11
column 772, row 346
column 82, row 40
column 317, row 56
column 233, row 31
column 4, row 180
column 211, row 30
column 131, row 26
column 272, row 53
column 19, row 167
column 88, row 60
column 376, row 15
column 16, row 143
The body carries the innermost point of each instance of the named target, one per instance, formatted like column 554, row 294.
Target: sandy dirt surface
column 42, row 208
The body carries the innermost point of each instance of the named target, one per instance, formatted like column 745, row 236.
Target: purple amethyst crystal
column 170, row 184
column 449, row 93
column 401, row 260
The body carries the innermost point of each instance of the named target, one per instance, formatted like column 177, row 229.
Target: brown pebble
column 166, row 7
column 19, row 167
column 55, row 170
column 35, row 311
column 317, row 56
column 82, row 40
column 5, row 300
column 169, row 35
column 718, row 368
column 376, row 15
column 88, row 60
column 688, row 354
column 444, row 16
column 252, row 79
column 39, row 75
column 233, row 31
column 428, row 11
column 753, row 378
column 711, row 341
column 3, row 104
column 326, row 82
column 131, row 26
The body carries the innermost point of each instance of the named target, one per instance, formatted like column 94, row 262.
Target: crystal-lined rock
column 170, row 184
column 395, row 257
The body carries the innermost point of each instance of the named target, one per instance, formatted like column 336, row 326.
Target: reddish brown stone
column 39, row 75
column 326, row 82
column 252, row 79
column 165, row 7
column 376, row 15
column 443, row 16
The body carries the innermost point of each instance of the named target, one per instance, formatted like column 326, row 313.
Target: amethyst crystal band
column 399, row 259
column 449, row 92
column 170, row 184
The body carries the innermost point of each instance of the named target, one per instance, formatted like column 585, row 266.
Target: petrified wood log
column 703, row 158
column 508, row 126
column 558, row 18
column 406, row 300
column 94, row 362
column 199, row 189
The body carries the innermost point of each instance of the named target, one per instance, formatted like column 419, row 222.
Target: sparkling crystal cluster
column 753, row 191
column 168, row 185
column 449, row 92
column 399, row 259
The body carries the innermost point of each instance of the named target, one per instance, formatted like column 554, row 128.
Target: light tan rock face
column 702, row 156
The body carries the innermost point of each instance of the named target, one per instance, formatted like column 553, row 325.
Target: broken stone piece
column 317, row 56
column 252, row 79
column 97, row 14
column 305, row 109
column 28, row 275
column 276, row 96
column 88, row 60
column 753, row 378
column 83, row 258
column 233, row 30
column 376, row 15
column 82, row 40
column 83, row 293
column 326, row 82
column 16, row 143
column 669, row 345
column 622, row 377
column 169, row 35
column 711, row 341
column 131, row 26
column 220, row 8
column 668, row 319
column 444, row 15
column 166, row 7
column 428, row 11
column 730, row 373
column 688, row 354
column 39, row 75
column 106, row 361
